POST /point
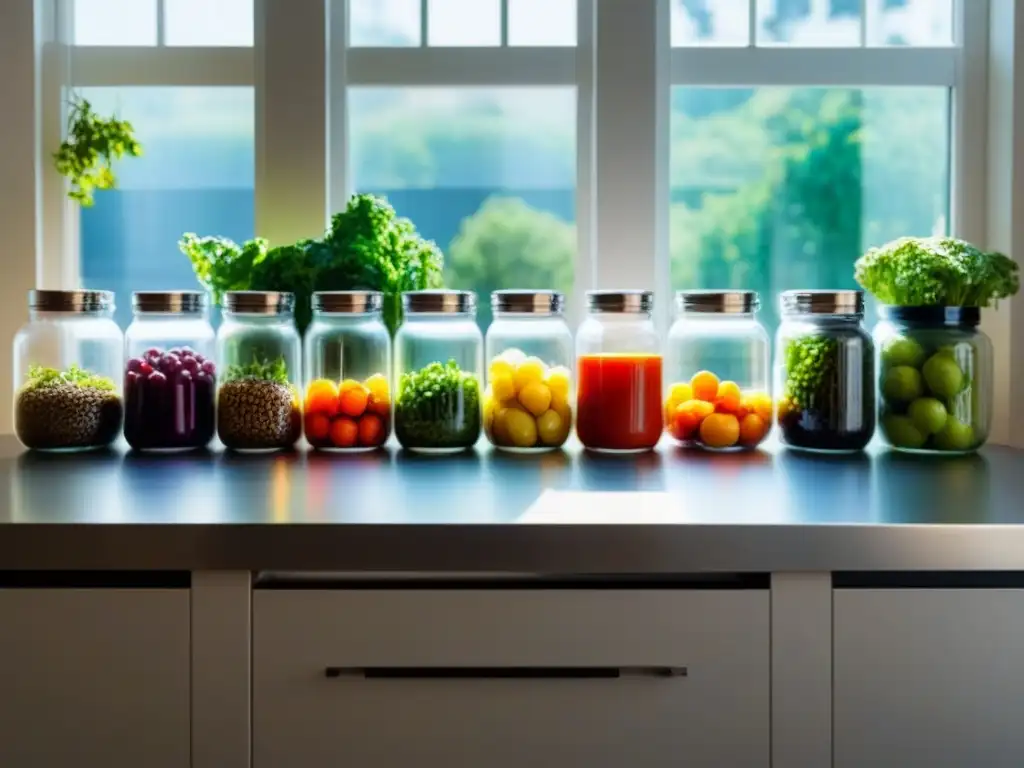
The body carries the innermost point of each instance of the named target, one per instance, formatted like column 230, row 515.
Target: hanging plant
column 92, row 144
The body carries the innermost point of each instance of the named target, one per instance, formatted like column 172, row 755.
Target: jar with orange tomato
column 718, row 371
column 618, row 373
column 347, row 349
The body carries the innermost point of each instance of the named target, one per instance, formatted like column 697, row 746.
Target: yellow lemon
column 521, row 428
column 559, row 381
column 488, row 410
column 503, row 387
column 535, row 397
column 551, row 428
column 529, row 371
column 500, row 367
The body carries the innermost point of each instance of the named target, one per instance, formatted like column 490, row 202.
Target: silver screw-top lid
column 348, row 302
column 718, row 302
column 259, row 302
column 176, row 302
column 528, row 302
column 71, row 301
column 823, row 303
column 443, row 302
column 629, row 302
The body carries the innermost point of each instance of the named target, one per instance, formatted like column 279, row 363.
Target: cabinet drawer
column 382, row 678
column 928, row 678
column 94, row 677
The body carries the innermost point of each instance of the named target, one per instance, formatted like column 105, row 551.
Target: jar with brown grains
column 259, row 350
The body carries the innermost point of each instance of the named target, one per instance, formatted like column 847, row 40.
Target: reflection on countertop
column 392, row 486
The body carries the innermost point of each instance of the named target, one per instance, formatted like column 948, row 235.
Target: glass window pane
column 196, row 174
column 542, row 22
column 910, row 22
column 710, row 22
column 115, row 22
column 809, row 23
column 384, row 23
column 463, row 22
column 201, row 22
column 487, row 173
column 784, row 188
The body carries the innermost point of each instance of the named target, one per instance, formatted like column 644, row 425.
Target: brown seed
column 257, row 415
column 67, row 417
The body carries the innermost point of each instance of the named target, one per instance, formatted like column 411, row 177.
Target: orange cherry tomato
column 344, row 432
column 318, row 427
column 352, row 401
column 371, row 430
column 322, row 397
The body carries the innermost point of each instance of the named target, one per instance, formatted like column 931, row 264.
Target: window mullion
column 161, row 23
column 631, row 145
column 338, row 46
column 291, row 119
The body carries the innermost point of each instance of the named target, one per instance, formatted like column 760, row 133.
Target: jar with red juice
column 619, row 373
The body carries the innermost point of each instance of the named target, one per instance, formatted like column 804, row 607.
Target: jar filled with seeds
column 260, row 354
column 67, row 372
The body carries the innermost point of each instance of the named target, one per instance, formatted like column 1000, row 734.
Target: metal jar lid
column 718, row 302
column 348, row 302
column 71, row 301
column 528, row 302
column 442, row 302
column 259, row 302
column 823, row 303
column 630, row 302
column 176, row 302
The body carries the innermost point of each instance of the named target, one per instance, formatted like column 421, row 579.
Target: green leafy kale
column 86, row 156
column 367, row 247
column 260, row 369
column 936, row 271
column 43, row 378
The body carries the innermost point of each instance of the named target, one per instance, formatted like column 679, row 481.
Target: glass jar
column 260, row 358
column 618, row 373
column 170, row 378
column 68, row 361
column 825, row 372
column 935, row 379
column 347, row 405
column 527, row 404
column 718, row 371
column 439, row 361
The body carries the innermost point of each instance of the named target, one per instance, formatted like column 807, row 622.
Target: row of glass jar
column 68, row 369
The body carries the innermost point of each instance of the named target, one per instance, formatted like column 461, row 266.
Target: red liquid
column 619, row 402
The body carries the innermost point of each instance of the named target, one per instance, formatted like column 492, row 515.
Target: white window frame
column 624, row 68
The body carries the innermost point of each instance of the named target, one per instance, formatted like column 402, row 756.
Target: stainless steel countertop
column 562, row 513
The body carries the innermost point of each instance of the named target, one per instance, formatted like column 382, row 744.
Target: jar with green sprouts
column 825, row 372
column 439, row 361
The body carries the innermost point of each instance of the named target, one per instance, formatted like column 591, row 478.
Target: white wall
column 19, row 192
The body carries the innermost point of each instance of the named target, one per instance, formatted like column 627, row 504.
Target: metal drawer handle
column 503, row 673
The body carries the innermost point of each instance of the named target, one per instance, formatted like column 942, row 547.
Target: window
column 193, row 109
column 481, row 158
column 196, row 175
column 828, row 135
column 797, row 133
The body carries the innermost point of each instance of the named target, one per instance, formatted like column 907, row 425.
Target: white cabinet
column 510, row 678
column 94, row 678
column 928, row 678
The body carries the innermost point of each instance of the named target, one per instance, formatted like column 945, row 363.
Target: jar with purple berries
column 170, row 382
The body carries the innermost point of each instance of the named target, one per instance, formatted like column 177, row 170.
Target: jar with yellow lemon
column 527, row 406
column 717, row 363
